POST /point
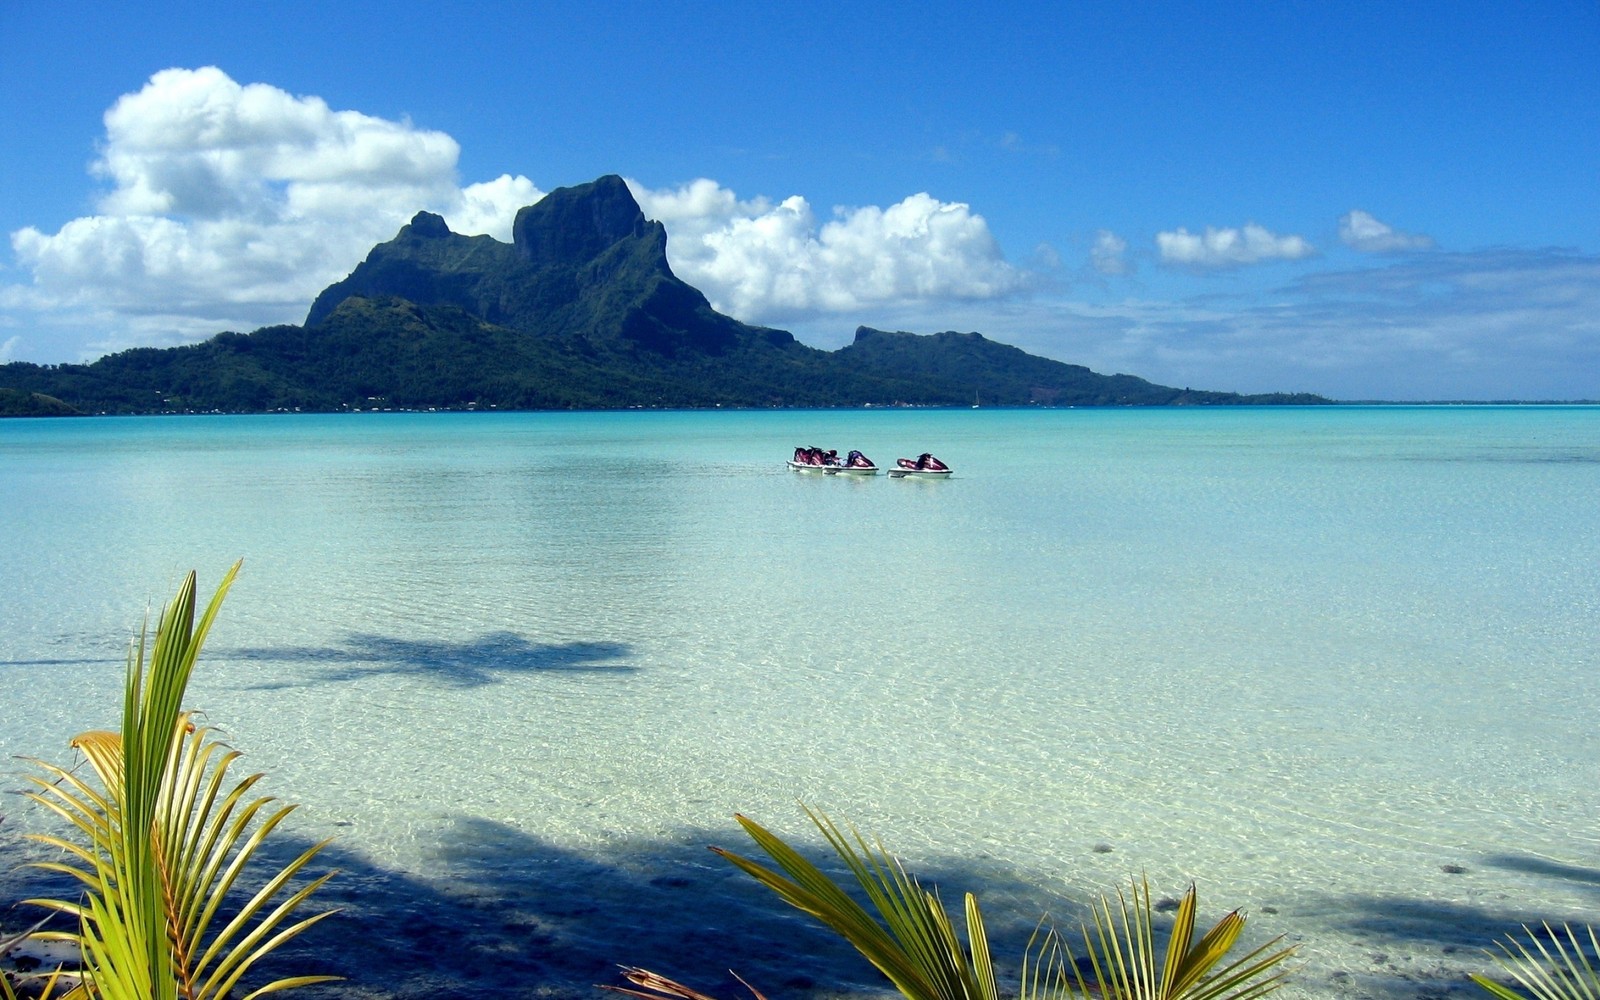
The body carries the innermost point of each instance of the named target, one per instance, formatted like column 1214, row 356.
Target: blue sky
column 1365, row 200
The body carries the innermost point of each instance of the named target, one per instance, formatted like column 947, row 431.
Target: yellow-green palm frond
column 48, row 985
column 1560, row 971
column 1121, row 962
column 165, row 835
column 911, row 940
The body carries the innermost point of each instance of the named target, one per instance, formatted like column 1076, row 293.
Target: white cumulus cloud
column 762, row 261
column 1361, row 231
column 1224, row 248
column 230, row 206
column 489, row 209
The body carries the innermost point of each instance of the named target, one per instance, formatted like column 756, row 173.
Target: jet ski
column 924, row 466
column 828, row 463
column 856, row 464
column 814, row 460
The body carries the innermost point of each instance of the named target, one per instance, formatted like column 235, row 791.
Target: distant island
column 579, row 311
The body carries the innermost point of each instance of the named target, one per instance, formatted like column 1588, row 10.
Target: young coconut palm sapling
column 162, row 836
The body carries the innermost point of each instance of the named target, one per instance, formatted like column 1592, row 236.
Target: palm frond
column 165, row 835
column 1120, row 951
column 1562, row 971
column 910, row 939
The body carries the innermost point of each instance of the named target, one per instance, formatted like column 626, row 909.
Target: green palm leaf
column 165, row 836
column 1559, row 972
column 1120, row 954
column 911, row 938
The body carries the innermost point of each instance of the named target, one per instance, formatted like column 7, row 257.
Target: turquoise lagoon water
column 1336, row 665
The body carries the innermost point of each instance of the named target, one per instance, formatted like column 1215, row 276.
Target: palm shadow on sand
column 503, row 912
column 486, row 660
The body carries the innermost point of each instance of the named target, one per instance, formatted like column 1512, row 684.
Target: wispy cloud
column 980, row 144
column 1361, row 231
column 1228, row 248
column 1495, row 324
column 1109, row 255
column 1013, row 142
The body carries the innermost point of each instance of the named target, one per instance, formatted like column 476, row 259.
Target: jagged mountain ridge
column 581, row 310
column 583, row 263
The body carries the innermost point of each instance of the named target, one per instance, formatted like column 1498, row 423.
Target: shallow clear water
column 523, row 666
